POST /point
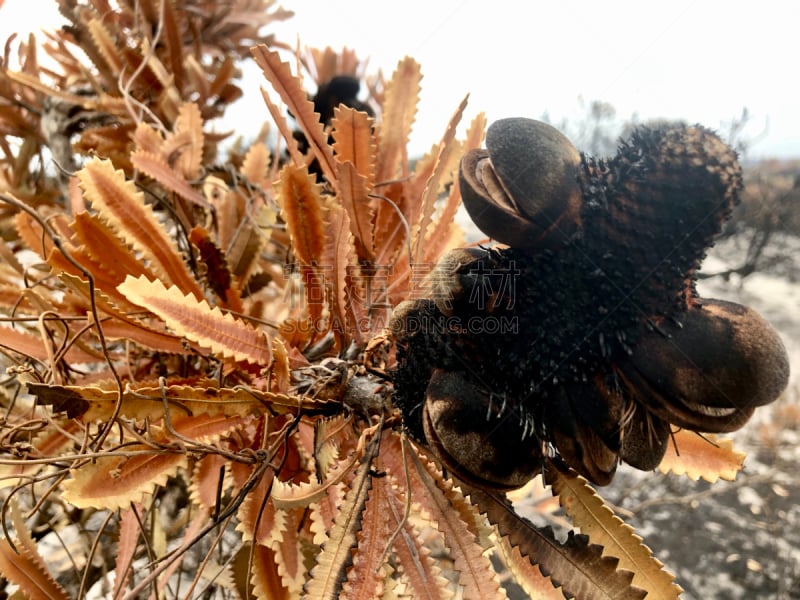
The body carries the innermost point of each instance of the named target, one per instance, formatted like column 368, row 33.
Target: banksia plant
column 280, row 372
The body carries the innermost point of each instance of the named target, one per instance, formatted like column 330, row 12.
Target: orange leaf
column 354, row 141
column 431, row 192
column 701, row 456
column 290, row 89
column 111, row 482
column 123, row 208
column 399, row 110
column 157, row 168
column 300, row 200
column 27, row 568
column 197, row 321
column 354, row 196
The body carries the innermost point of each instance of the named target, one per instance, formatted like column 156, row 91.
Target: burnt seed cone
column 586, row 334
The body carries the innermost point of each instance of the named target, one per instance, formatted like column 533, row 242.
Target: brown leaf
column 111, row 482
column 300, row 200
column 354, row 141
column 475, row 571
column 354, row 196
column 618, row 539
column 366, row 575
column 703, row 456
column 129, row 530
column 326, row 577
column 217, row 273
column 156, row 167
column 575, row 564
column 442, row 168
column 123, row 208
column 26, row 568
column 266, row 582
column 399, row 110
column 189, row 125
column 337, row 258
column 197, row 321
column 290, row 89
column 526, row 574
column 94, row 403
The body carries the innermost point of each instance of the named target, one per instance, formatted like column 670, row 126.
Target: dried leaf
column 289, row 554
column 618, row 539
column 156, row 167
column 197, row 321
column 288, row 495
column 111, row 482
column 265, row 580
column 337, row 257
column 575, row 564
column 528, row 575
column 290, row 89
column 431, row 192
column 399, row 110
column 299, row 196
column 328, row 574
column 190, row 124
column 26, row 568
column 354, row 196
column 365, row 577
column 129, row 531
column 94, row 403
column 475, row 571
column 354, row 141
column 703, row 456
column 123, row 208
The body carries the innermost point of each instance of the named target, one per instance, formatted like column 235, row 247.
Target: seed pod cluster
column 585, row 336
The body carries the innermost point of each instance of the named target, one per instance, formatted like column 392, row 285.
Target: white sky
column 701, row 60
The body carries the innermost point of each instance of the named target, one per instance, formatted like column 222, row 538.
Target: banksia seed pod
column 476, row 436
column 610, row 344
column 523, row 189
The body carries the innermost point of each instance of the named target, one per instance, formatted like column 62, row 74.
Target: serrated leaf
column 112, row 482
column 105, row 44
column 354, row 141
column 26, row 568
column 399, row 111
column 289, row 553
column 287, row 495
column 475, row 571
column 123, row 208
column 430, row 194
column 526, row 574
column 189, row 125
column 576, row 565
column 94, row 403
column 701, row 457
column 618, row 539
column 354, row 197
column 338, row 255
column 365, row 577
column 265, row 580
column 129, row 530
column 291, row 91
column 300, row 199
column 327, row 576
column 195, row 320
column 259, row 520
column 205, row 480
column 157, row 167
